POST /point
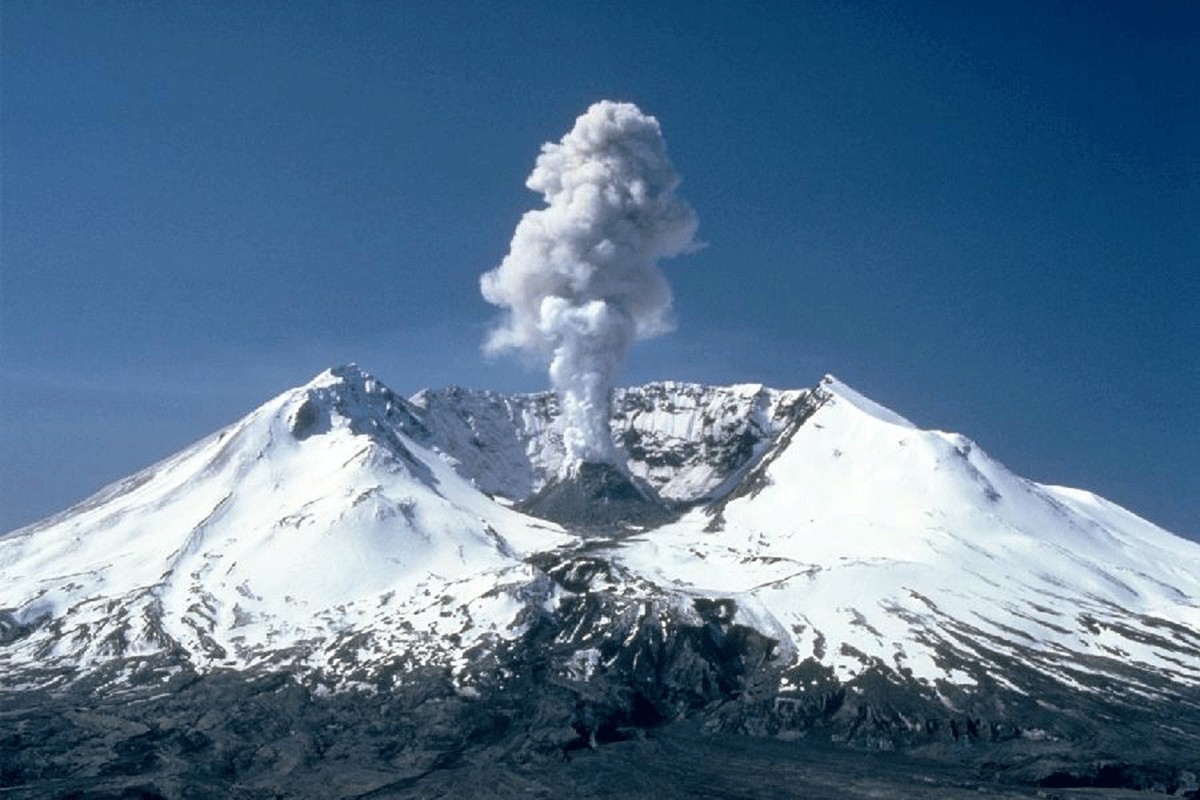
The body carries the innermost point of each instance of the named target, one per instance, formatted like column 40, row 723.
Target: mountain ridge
column 716, row 450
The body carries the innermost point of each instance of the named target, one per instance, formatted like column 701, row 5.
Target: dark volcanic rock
column 595, row 496
column 240, row 735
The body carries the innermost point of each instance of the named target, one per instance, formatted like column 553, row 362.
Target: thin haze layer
column 580, row 282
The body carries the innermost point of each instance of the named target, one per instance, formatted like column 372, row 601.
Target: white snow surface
column 342, row 527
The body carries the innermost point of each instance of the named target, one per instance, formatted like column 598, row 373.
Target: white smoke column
column 580, row 282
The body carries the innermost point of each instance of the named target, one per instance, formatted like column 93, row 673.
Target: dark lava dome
column 597, row 496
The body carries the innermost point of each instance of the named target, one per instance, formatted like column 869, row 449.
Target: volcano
column 349, row 593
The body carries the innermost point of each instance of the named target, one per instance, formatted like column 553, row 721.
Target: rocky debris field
column 170, row 733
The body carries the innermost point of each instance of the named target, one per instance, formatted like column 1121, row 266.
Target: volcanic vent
column 593, row 495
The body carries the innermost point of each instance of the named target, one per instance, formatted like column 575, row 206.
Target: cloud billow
column 581, row 282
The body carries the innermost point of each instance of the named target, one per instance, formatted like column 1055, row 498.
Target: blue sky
column 983, row 215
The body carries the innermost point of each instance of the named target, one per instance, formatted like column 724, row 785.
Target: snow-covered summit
column 835, row 388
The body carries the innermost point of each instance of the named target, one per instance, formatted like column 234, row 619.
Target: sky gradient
column 985, row 216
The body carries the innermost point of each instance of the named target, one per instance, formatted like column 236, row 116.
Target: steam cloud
column 580, row 282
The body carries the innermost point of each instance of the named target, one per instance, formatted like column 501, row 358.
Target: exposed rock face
column 690, row 443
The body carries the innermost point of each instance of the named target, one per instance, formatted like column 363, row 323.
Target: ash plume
column 581, row 281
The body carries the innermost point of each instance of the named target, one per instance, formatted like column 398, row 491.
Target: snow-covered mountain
column 824, row 563
column 312, row 520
